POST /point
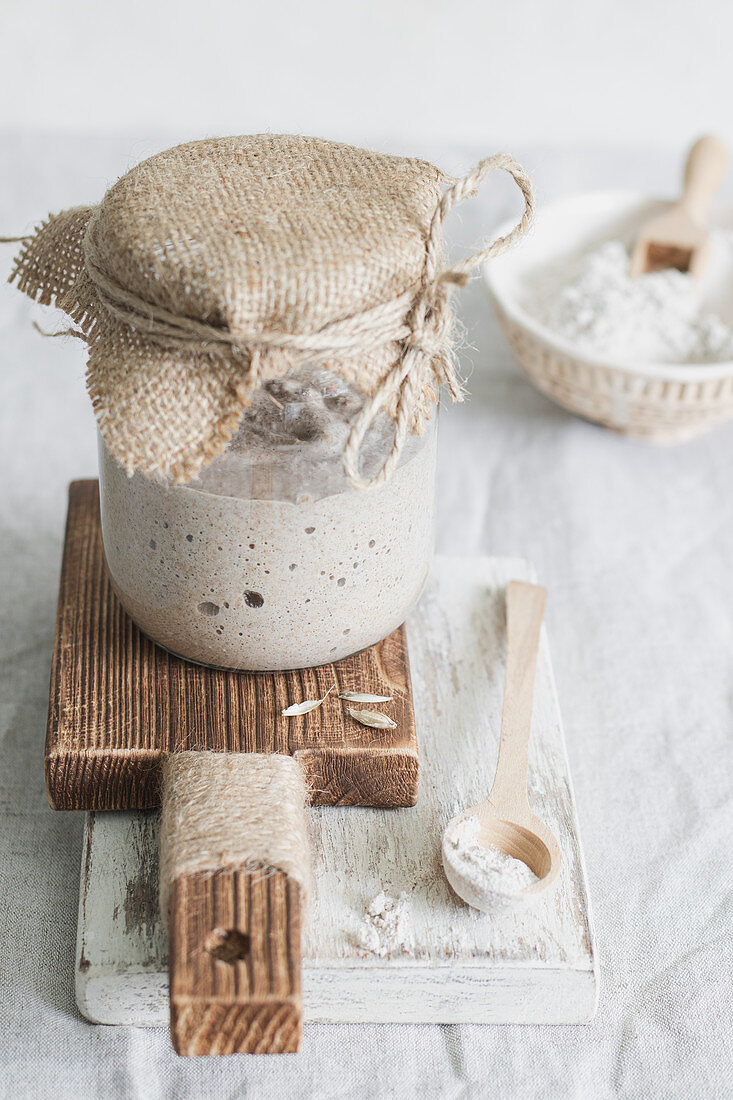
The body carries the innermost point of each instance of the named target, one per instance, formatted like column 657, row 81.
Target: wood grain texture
column 118, row 702
column 456, row 965
column 234, row 961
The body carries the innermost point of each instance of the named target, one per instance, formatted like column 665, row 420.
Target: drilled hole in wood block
column 228, row 945
column 248, row 1006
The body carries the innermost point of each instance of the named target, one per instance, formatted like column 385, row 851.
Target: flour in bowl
column 594, row 304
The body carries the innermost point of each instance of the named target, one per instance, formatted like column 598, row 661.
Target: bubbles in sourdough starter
column 298, row 567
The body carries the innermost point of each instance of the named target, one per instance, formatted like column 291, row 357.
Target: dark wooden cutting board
column 119, row 702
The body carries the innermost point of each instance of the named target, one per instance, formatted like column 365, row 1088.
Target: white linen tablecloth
column 635, row 545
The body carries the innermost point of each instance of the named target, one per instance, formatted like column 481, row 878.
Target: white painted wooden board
column 457, row 965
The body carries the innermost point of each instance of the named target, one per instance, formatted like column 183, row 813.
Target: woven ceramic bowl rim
column 493, row 275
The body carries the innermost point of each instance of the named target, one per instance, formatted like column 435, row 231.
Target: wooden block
column 455, row 965
column 235, row 964
column 118, row 702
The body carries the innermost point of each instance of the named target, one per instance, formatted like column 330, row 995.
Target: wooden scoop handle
column 234, row 933
column 705, row 169
column 525, row 607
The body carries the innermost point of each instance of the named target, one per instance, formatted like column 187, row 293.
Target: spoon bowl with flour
column 499, row 854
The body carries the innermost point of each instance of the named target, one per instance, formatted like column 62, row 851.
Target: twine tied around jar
column 219, row 265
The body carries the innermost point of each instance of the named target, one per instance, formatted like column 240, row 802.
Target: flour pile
column 654, row 318
column 486, row 873
column 384, row 929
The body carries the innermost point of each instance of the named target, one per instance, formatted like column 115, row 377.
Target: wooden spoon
column 678, row 237
column 505, row 818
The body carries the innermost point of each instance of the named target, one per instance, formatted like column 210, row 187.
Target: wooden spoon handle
column 525, row 607
column 234, row 931
column 705, row 169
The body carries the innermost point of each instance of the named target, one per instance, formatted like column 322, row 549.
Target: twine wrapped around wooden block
column 233, row 811
column 217, row 265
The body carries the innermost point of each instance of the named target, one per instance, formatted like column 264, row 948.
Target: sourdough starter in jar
column 271, row 559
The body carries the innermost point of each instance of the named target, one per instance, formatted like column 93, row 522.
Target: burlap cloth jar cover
column 219, row 264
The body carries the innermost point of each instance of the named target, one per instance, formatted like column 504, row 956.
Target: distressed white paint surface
column 459, row 965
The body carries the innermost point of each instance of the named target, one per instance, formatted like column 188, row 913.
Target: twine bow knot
column 430, row 322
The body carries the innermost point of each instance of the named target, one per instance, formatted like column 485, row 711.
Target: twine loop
column 430, row 319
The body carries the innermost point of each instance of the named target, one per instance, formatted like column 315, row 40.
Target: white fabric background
column 635, row 546
column 441, row 70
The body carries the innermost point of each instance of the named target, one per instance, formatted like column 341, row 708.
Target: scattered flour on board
column 384, row 928
column 595, row 305
column 485, row 870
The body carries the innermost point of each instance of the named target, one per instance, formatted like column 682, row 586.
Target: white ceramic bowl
column 662, row 402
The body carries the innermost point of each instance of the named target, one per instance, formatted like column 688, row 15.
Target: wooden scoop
column 678, row 237
column 505, row 818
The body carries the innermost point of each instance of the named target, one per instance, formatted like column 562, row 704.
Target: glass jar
column 271, row 559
